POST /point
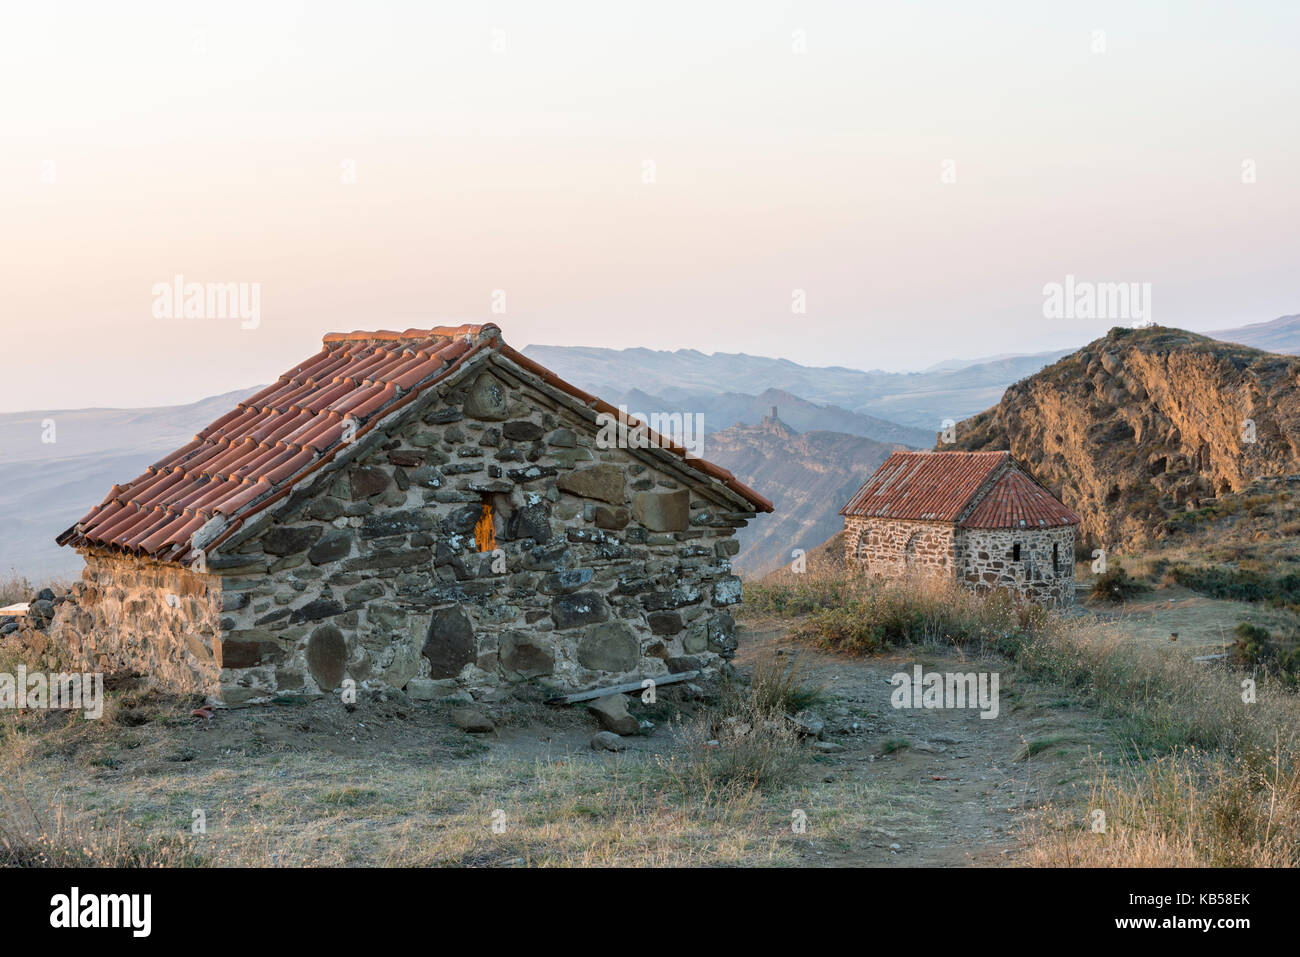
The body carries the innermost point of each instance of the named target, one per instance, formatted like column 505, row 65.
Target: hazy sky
column 375, row 165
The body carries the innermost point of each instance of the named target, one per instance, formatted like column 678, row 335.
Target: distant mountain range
column 921, row 400
column 951, row 389
column 1280, row 335
column 55, row 465
column 722, row 410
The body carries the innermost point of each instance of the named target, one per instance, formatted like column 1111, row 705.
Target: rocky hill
column 1144, row 424
column 808, row 476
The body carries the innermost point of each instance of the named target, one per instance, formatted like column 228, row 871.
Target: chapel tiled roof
column 1017, row 501
column 252, row 456
column 932, row 486
column 943, row 486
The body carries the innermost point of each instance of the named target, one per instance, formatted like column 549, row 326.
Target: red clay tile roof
column 253, row 455
column 1017, row 501
column 942, row 486
column 933, row 486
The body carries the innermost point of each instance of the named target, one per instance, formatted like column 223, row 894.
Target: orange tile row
column 268, row 440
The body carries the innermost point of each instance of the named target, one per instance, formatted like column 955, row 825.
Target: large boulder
column 367, row 481
column 663, row 511
column 472, row 720
column 521, row 431
column 607, row 741
column 525, row 654
column 606, row 483
column 327, row 657
column 289, row 540
column 611, row 712
column 664, row 622
column 610, row 646
column 333, row 545
column 246, row 649
column 449, row 643
column 579, row 608
column 530, row 521
column 487, row 399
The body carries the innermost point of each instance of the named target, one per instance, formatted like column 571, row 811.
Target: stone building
column 976, row 517
column 425, row 509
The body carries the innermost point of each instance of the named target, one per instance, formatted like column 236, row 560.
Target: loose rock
column 607, row 741
column 472, row 720
column 611, row 712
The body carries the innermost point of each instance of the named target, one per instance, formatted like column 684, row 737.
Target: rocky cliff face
column 807, row 476
column 1145, row 423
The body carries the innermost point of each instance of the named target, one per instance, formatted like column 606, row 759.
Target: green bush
column 1255, row 648
column 1114, row 585
column 1240, row 584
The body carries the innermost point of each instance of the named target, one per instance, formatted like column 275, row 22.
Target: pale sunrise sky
column 385, row 165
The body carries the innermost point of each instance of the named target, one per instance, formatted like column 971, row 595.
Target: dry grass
column 1183, row 810
column 298, row 812
column 1195, row 776
column 1204, row 779
column 572, row 813
column 855, row 614
column 1199, row 776
column 16, row 588
column 777, row 684
column 124, row 791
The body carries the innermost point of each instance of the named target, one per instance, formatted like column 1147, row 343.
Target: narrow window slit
column 485, row 533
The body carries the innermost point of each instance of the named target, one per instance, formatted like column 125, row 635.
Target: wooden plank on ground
column 621, row 688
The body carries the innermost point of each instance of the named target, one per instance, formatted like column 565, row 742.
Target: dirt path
column 934, row 787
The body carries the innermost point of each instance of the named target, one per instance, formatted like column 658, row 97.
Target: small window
column 1015, row 552
column 485, row 532
column 1056, row 558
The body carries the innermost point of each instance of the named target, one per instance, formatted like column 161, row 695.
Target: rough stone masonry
column 480, row 536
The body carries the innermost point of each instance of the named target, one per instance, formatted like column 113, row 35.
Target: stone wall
column 128, row 615
column 982, row 559
column 889, row 548
column 608, row 563
column 1041, row 575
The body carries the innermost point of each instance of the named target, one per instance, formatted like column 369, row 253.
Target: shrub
column 795, row 595
column 746, row 743
column 777, row 685
column 1115, row 586
column 733, row 750
column 1240, row 584
column 15, row 588
column 1187, row 809
column 1255, row 648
